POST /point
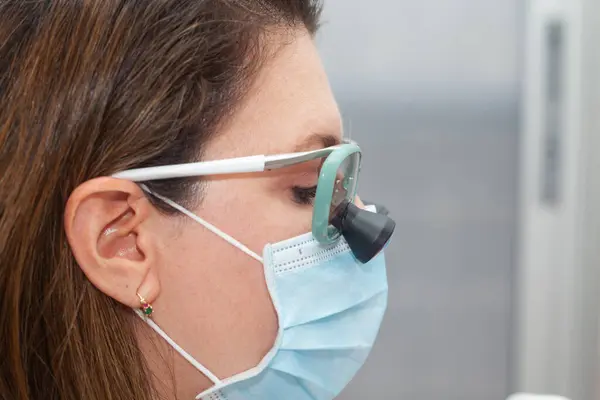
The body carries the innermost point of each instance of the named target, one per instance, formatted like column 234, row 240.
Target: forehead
column 289, row 103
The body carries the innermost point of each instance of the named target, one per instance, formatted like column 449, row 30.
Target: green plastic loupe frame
column 339, row 172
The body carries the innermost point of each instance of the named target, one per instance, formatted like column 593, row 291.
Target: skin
column 210, row 297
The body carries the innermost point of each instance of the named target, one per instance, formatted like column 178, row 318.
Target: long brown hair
column 89, row 87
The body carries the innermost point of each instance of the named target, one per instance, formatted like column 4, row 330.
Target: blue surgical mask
column 329, row 306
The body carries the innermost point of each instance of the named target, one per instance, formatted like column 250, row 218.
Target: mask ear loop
column 206, row 224
column 214, row 379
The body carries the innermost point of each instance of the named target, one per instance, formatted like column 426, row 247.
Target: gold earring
column 145, row 306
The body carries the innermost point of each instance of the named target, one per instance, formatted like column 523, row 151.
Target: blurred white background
column 441, row 95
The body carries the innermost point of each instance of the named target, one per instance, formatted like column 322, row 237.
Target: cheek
column 256, row 211
column 214, row 300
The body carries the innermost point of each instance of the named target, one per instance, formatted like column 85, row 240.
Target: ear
column 106, row 222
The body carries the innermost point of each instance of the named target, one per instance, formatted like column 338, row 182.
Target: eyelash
column 304, row 195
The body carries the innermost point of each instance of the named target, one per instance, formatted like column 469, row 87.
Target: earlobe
column 106, row 222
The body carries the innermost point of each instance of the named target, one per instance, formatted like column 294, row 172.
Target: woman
column 93, row 94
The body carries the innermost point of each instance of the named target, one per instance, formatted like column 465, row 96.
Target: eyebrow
column 317, row 140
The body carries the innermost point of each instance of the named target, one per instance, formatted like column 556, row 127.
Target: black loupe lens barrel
column 366, row 232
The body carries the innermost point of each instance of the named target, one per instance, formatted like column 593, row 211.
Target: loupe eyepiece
column 366, row 232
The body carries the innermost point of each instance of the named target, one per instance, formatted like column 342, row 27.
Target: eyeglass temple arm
column 286, row 160
column 220, row 167
column 202, row 168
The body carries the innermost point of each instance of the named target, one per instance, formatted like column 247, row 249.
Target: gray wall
column 430, row 90
column 585, row 368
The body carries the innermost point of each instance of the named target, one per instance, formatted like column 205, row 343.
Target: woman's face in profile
column 213, row 300
column 103, row 98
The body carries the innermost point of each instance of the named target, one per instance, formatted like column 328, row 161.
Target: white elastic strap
column 207, row 225
column 178, row 348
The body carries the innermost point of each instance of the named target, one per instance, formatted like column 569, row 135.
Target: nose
column 359, row 202
column 380, row 209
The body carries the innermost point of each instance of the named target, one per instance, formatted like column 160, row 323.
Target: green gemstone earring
column 145, row 306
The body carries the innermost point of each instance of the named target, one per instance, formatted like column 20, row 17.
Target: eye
column 304, row 195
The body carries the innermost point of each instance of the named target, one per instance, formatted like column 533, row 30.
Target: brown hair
column 88, row 88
